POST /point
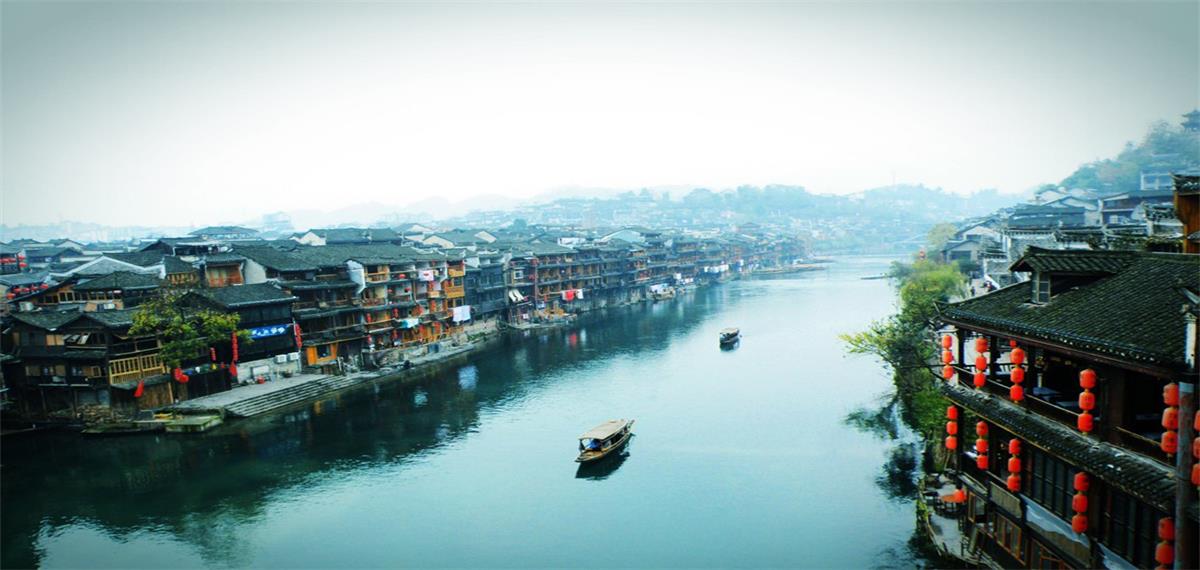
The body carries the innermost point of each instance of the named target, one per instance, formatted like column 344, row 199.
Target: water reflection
column 604, row 468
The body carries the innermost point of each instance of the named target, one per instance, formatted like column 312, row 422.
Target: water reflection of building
column 1074, row 451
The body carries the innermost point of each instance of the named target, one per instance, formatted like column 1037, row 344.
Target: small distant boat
column 604, row 439
column 730, row 336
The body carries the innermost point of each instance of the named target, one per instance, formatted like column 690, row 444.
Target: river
column 741, row 458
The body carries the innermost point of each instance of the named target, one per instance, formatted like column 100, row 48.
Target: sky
column 209, row 112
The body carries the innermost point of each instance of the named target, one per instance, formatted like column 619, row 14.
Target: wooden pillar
column 1185, row 492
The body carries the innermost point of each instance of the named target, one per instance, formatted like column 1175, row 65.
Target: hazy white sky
column 204, row 112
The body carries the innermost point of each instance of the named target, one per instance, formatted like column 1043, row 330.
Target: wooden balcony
column 225, row 281
column 452, row 272
column 134, row 368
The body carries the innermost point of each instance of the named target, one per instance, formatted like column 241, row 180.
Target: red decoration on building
column 981, row 363
column 1017, row 357
column 952, row 427
column 234, row 343
column 1165, row 553
column 141, row 389
column 1016, row 393
column 981, row 344
column 1012, row 343
column 1170, row 442
column 1170, row 419
column 299, row 339
column 1086, row 422
column 951, row 443
column 233, row 373
column 1014, row 446
column 212, row 354
column 1166, row 528
column 981, row 462
column 979, row 379
column 1079, row 503
column 947, row 341
column 1014, row 464
column 1171, row 394
column 1082, row 483
column 1087, row 379
column 1018, row 375
column 1013, row 483
column 1079, row 524
column 981, row 429
column 952, row 413
column 1087, row 401
column 981, row 446
column 947, row 357
column 948, row 372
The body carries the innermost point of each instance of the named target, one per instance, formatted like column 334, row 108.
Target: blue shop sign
column 273, row 330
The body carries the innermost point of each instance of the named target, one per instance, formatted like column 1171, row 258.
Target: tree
column 184, row 330
column 939, row 235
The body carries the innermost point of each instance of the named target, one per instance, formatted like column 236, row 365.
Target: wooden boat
column 730, row 336
column 604, row 439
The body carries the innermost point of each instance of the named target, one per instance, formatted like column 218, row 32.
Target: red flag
column 234, row 343
column 141, row 389
column 296, row 329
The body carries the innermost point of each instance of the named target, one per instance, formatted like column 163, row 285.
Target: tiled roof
column 119, row 280
column 1073, row 261
column 1132, row 314
column 112, row 319
column 1136, row 474
column 246, row 295
column 47, row 320
column 317, row 285
column 223, row 230
column 171, row 263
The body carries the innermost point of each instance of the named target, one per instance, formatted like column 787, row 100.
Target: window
column 1041, row 288
column 323, row 351
column 1130, row 528
column 1044, row 558
column 1007, row 536
column 1051, row 482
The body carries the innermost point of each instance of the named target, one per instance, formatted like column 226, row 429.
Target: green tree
column 903, row 340
column 939, row 235
column 185, row 331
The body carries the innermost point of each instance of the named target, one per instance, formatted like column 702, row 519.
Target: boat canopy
column 729, row 331
column 605, row 430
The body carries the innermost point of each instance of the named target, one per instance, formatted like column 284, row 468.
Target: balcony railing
column 224, row 281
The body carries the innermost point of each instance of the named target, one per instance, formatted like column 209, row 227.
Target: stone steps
column 283, row 398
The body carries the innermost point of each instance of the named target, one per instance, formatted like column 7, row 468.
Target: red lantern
column 1014, row 483
column 1170, row 442
column 947, row 341
column 1016, row 393
column 11, row 295
column 1082, row 482
column 1018, row 375
column 981, row 446
column 981, row 363
column 1017, row 357
column 1086, row 422
column 1170, row 418
column 952, row 427
column 1014, row 446
column 981, row 344
column 1012, row 343
column 951, row 443
column 981, row 462
column 141, row 389
column 44, row 286
column 979, row 379
column 948, row 372
column 1087, row 379
column 1087, row 401
column 960, row 496
column 1164, row 554
column 233, row 374
column 22, row 265
column 1196, row 447
column 1196, row 422
column 981, row 429
column 1196, row 474
column 299, row 340
column 952, row 413
column 1079, row 503
column 1171, row 394
column 1014, row 464
column 183, row 378
column 947, row 357
column 234, row 342
column 212, row 354
column 1166, row 528
column 1079, row 524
